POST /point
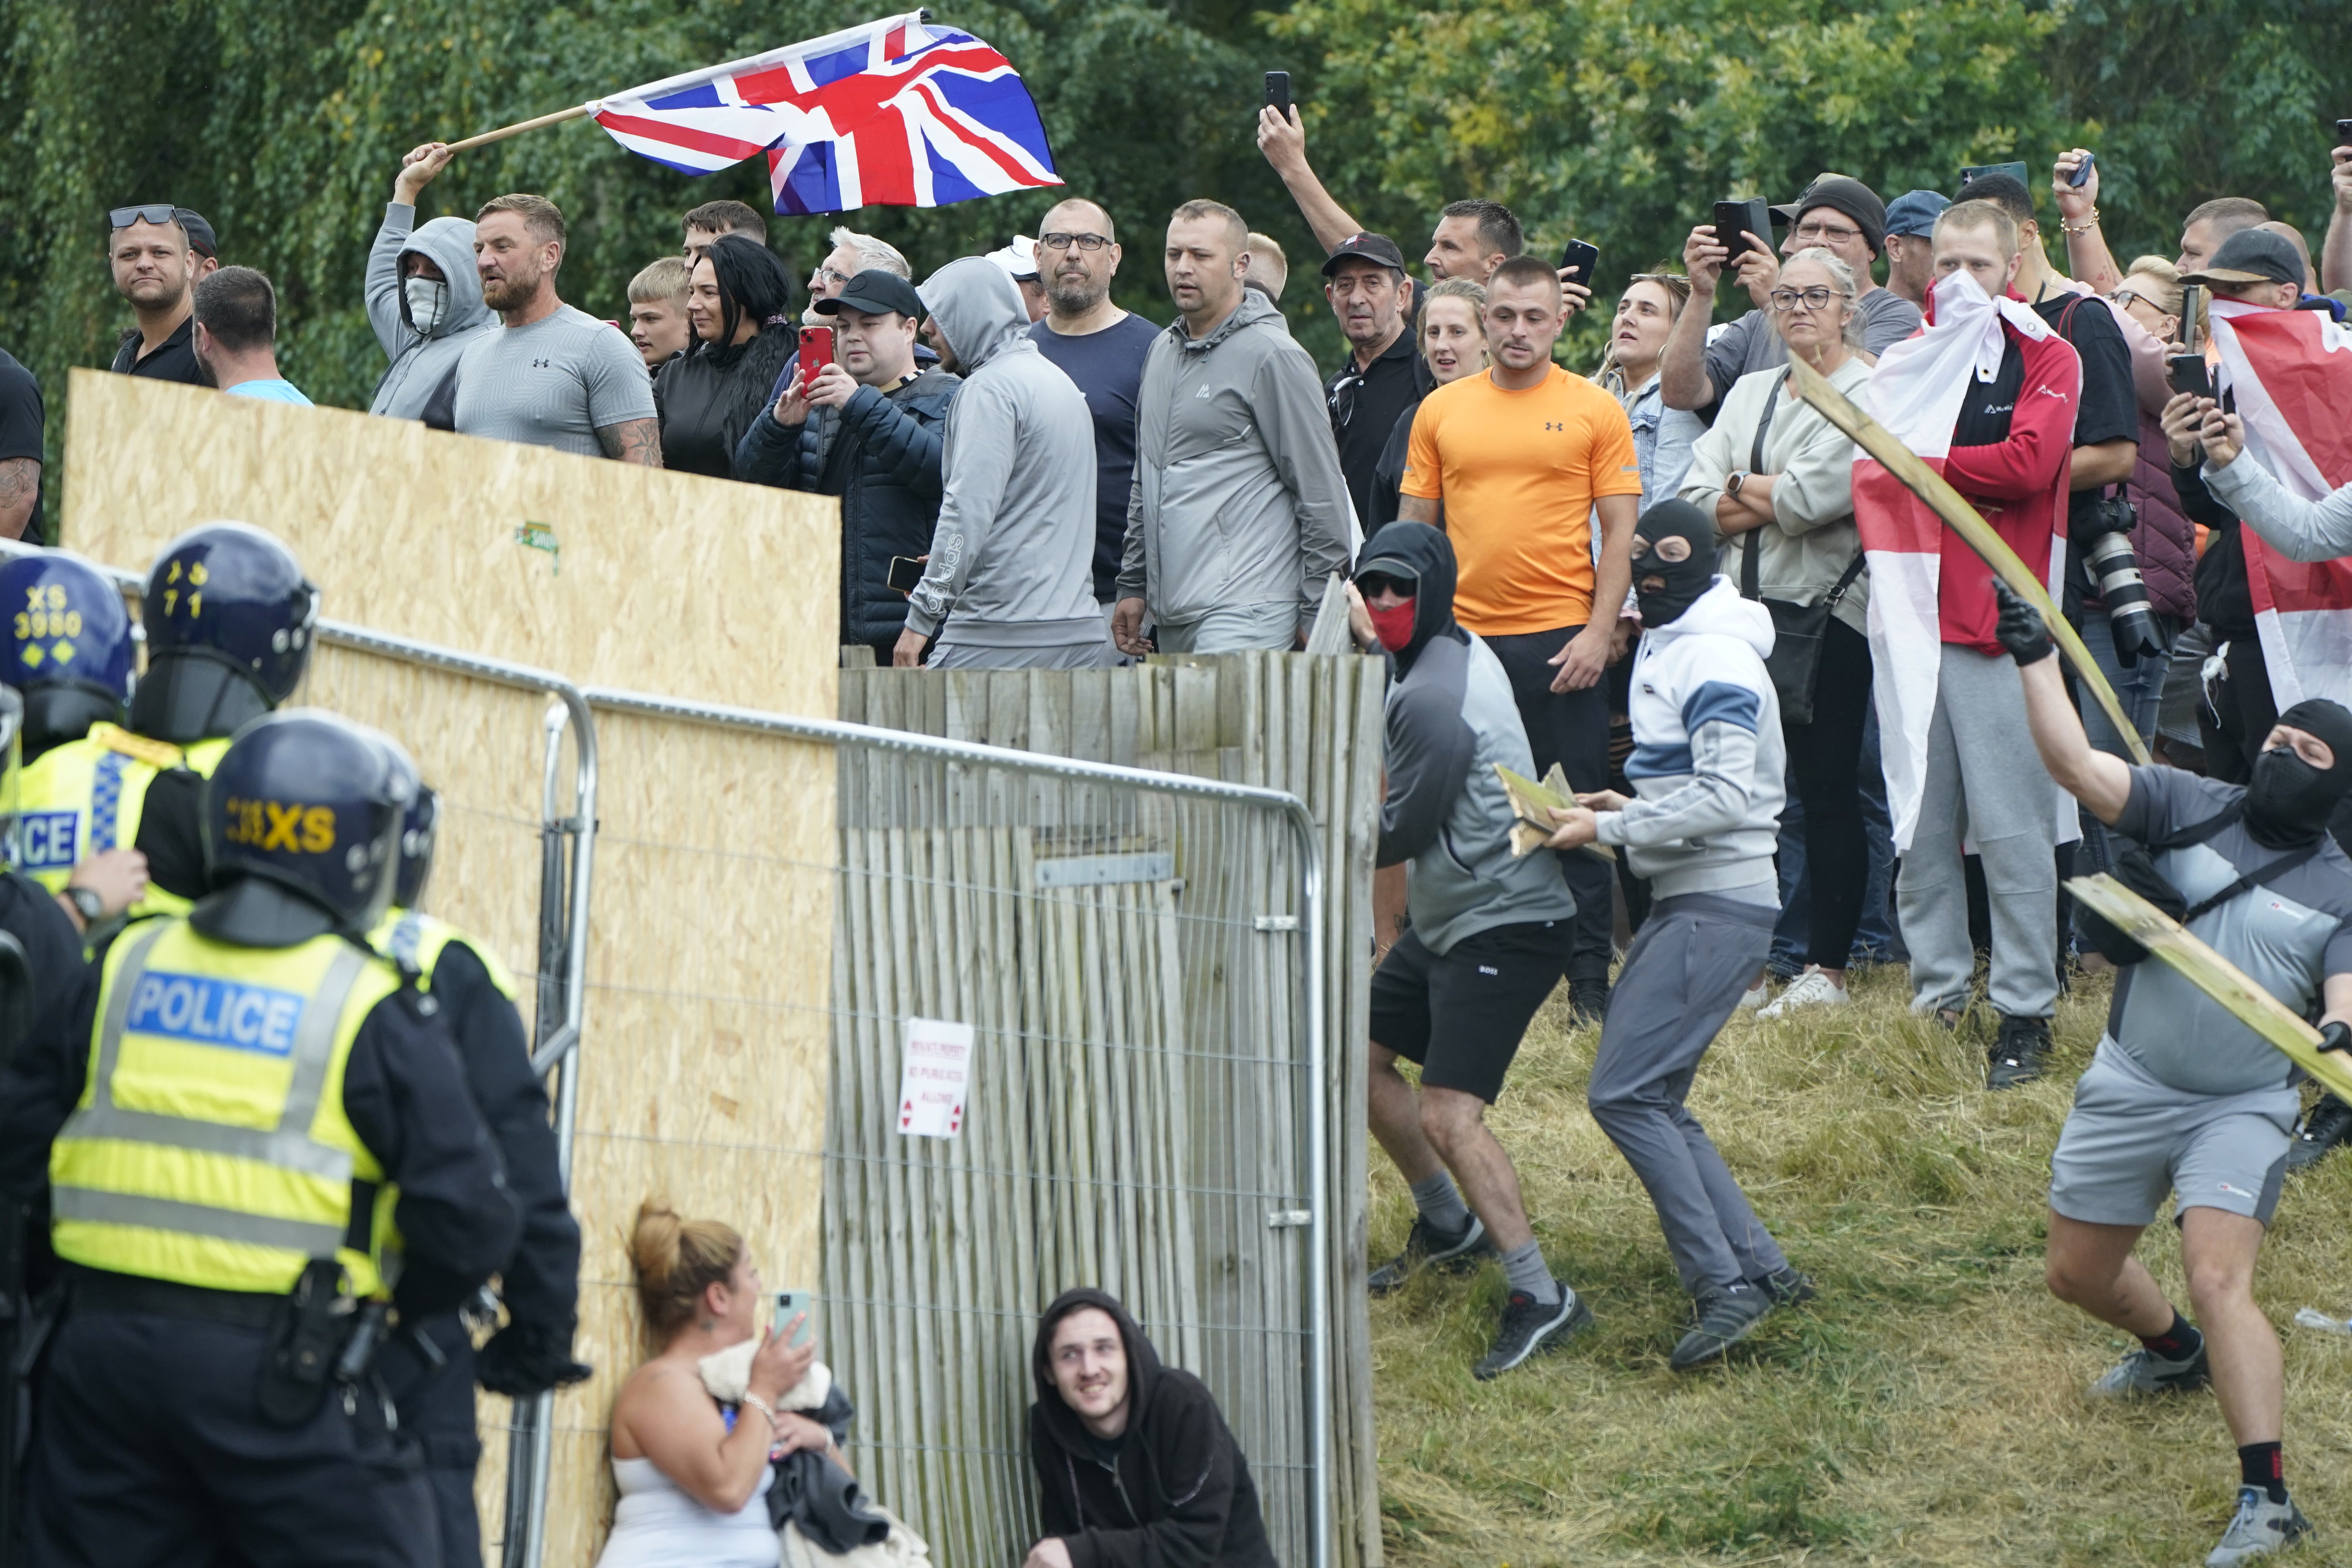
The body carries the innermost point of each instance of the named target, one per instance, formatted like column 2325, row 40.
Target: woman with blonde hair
column 1663, row 437
column 694, row 1476
column 1451, row 334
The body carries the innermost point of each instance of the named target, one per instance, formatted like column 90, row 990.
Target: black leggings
column 1825, row 766
column 1570, row 728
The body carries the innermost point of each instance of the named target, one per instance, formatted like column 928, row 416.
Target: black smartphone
column 1579, row 260
column 906, row 572
column 1278, row 91
column 2193, row 301
column 2081, row 175
column 1750, row 214
column 2344, row 134
column 2015, row 171
column 2187, row 372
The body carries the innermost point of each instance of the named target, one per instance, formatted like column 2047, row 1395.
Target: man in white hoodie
column 1706, row 767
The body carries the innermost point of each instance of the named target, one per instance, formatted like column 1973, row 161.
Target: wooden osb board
column 704, row 1063
column 671, row 582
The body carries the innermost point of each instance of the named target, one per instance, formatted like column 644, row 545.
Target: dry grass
column 1928, row 1409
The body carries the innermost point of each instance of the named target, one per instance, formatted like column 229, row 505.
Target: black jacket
column 2224, row 602
column 880, row 454
column 709, row 396
column 1180, row 1495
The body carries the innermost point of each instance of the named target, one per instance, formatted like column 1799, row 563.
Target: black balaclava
column 1678, row 583
column 2288, row 801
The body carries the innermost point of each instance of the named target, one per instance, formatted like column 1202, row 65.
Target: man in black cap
column 1841, row 215
column 869, row 430
column 1370, row 297
column 158, row 252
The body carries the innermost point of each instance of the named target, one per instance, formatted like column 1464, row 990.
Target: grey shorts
column 2130, row 1140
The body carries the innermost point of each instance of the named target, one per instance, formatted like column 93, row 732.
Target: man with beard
column 2180, row 1096
column 1100, row 348
column 157, row 252
column 556, row 376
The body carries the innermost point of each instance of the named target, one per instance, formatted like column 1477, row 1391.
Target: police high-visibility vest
column 414, row 940
column 86, row 798
column 210, row 1147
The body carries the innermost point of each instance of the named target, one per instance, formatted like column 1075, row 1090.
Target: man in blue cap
column 1910, row 243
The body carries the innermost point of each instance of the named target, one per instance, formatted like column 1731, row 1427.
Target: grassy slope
column 1927, row 1410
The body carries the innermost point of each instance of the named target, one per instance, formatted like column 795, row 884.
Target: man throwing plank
column 2183, row 1097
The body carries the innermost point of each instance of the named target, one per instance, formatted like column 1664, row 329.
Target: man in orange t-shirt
column 1514, row 465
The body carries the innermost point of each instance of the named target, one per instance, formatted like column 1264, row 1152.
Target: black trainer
column 1426, row 1246
column 1529, row 1326
column 1588, row 1002
column 2322, row 1131
column 2019, row 1052
column 1726, row 1317
column 1788, row 1288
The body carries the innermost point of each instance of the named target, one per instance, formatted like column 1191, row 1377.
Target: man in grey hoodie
column 1238, row 510
column 1012, row 561
column 424, row 298
column 1706, row 770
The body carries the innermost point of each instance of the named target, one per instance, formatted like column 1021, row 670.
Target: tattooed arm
column 633, row 441
column 20, row 487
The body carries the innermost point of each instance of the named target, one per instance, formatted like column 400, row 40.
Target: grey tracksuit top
column 1013, row 553
column 1237, row 498
column 419, row 363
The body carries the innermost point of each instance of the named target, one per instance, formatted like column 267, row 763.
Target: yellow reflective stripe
column 91, row 1205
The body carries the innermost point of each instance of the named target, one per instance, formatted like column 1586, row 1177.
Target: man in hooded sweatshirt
column 1136, row 1468
column 1488, row 940
column 1011, row 580
column 2182, row 1097
column 1238, row 513
column 1707, row 769
column 424, row 298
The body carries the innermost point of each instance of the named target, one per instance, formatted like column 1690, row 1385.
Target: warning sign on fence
column 934, row 1079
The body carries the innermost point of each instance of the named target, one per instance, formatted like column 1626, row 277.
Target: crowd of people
column 1792, row 705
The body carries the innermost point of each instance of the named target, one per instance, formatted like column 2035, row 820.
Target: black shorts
column 1461, row 1015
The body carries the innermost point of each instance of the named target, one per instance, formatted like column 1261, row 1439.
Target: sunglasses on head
column 123, row 217
column 1373, row 584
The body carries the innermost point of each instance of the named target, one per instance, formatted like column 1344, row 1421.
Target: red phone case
column 816, row 352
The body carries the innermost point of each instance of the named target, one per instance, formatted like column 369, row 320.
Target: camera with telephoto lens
column 2107, row 556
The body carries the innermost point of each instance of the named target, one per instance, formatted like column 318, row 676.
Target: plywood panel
column 702, row 1072
column 672, row 583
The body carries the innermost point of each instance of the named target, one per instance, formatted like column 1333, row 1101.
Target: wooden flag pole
column 1947, row 502
column 2216, row 977
column 575, row 112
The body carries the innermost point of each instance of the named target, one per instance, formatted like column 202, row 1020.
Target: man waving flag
column 889, row 113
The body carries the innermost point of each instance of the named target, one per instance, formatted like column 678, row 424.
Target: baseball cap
column 1915, row 213
column 2251, row 256
column 200, row 233
column 875, row 292
column 1018, row 258
column 1840, row 193
column 1377, row 247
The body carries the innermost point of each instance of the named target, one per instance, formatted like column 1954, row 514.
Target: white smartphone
column 801, row 1304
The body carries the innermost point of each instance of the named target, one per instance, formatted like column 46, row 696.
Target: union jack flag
column 891, row 113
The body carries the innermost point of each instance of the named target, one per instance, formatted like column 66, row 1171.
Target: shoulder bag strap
column 1749, row 566
column 2286, row 862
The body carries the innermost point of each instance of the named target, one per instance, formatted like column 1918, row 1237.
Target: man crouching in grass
column 2182, row 1097
column 1708, row 763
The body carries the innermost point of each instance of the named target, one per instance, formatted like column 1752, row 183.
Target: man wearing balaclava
column 2181, row 1096
column 1489, row 940
column 1708, row 770
column 424, row 295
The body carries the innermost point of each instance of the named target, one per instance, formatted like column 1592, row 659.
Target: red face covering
column 1393, row 627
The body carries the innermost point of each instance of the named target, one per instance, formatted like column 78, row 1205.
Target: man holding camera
column 2181, row 1096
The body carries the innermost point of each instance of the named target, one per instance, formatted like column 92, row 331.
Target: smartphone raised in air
column 2015, row 171
column 816, row 352
column 2081, row 175
column 800, row 1304
column 1278, row 91
column 1579, row 260
column 1749, row 214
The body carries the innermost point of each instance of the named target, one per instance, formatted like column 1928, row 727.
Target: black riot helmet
column 230, row 620
column 417, row 822
column 301, row 828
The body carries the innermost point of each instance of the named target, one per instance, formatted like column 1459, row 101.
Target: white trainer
column 1810, row 989
column 1755, row 996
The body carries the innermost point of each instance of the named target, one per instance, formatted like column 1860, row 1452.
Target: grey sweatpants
column 1233, row 628
column 947, row 654
column 1983, row 783
column 1682, row 978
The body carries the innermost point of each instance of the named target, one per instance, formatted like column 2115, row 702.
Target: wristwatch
column 1731, row 486
column 88, row 902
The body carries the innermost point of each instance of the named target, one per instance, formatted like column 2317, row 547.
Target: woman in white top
column 693, row 1476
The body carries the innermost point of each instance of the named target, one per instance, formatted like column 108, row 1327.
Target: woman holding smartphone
column 739, row 306
column 694, row 1475
column 1778, row 480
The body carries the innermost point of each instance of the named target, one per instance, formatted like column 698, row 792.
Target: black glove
column 2022, row 629
column 2335, row 1036
column 524, row 1359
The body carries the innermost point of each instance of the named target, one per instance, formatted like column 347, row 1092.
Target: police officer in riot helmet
column 230, row 621
column 430, row 1366
column 66, row 647
column 259, row 1146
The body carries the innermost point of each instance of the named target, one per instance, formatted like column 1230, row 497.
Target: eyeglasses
column 1085, row 242
column 123, row 217
column 822, row 273
column 1786, row 299
column 1825, row 232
